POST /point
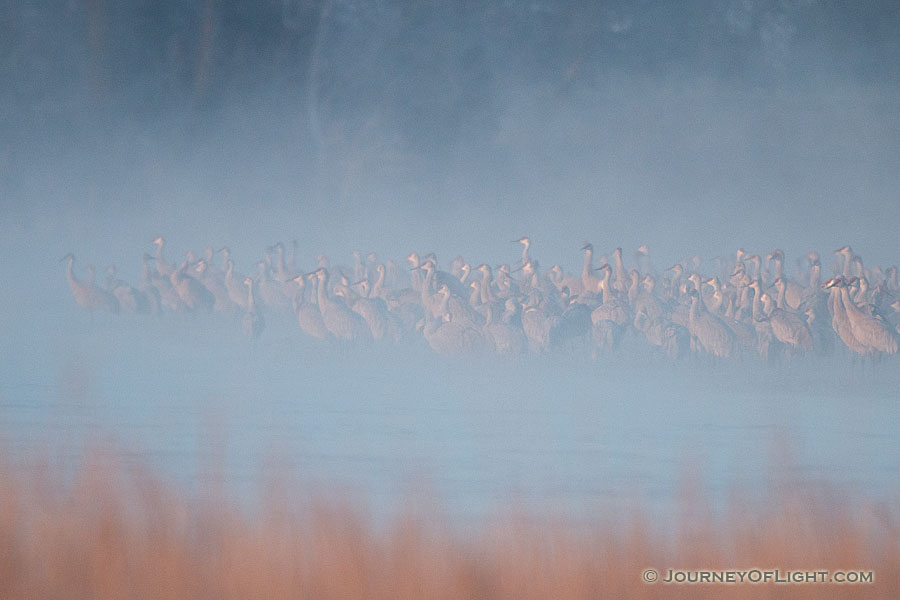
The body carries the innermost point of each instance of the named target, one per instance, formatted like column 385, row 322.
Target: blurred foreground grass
column 108, row 531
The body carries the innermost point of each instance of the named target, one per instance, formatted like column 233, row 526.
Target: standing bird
column 507, row 334
column 709, row 331
column 450, row 337
column 235, row 293
column 840, row 322
column 215, row 285
column 86, row 293
column 874, row 334
column 789, row 328
column 162, row 266
column 130, row 299
column 526, row 246
column 193, row 293
column 308, row 316
column 589, row 281
column 341, row 322
column 253, row 322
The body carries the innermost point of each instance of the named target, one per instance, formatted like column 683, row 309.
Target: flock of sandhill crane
column 750, row 306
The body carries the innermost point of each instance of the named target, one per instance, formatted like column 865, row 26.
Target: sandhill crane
column 620, row 280
column 341, row 322
column 768, row 345
column 86, row 293
column 215, row 286
column 715, row 300
column 820, row 327
column 465, row 270
column 269, row 290
column 574, row 322
column 840, row 322
column 281, row 274
column 709, row 331
column 233, row 286
column 169, row 299
column 792, row 294
column 789, row 328
column 448, row 337
column 873, row 333
column 373, row 311
column 308, row 315
column 610, row 308
column 148, row 289
column 253, row 322
column 506, row 334
column 610, row 318
column 193, row 294
column 589, row 281
column 475, row 301
column 526, row 245
column 416, row 274
column 162, row 266
column 437, row 278
column 844, row 267
column 130, row 299
column 537, row 323
column 642, row 259
column 378, row 289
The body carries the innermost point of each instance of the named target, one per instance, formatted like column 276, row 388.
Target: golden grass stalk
column 110, row 532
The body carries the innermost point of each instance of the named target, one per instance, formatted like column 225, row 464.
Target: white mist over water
column 593, row 131
column 189, row 395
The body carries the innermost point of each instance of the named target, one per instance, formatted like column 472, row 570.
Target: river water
column 189, row 396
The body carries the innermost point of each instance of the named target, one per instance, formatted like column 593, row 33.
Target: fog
column 393, row 127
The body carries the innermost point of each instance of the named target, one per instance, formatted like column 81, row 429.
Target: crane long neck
column 445, row 301
column 322, row 290
column 475, row 296
column 756, row 303
column 279, row 264
column 620, row 268
column 251, row 306
column 779, row 268
column 70, row 271
column 588, row 264
column 379, row 284
column 603, row 286
column 486, row 296
column 849, row 307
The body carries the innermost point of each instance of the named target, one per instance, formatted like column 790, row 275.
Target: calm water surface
column 191, row 397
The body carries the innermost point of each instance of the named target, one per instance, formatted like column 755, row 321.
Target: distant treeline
column 425, row 67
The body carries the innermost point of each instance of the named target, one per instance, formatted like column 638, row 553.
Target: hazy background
column 396, row 126
column 694, row 127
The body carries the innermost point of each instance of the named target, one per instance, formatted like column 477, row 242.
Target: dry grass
column 109, row 532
